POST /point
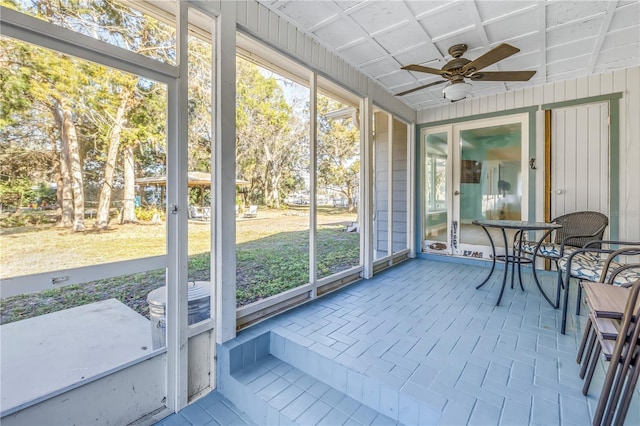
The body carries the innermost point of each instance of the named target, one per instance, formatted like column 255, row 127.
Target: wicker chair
column 597, row 262
column 578, row 229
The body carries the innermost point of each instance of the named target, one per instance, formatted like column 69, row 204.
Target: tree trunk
column 104, row 201
column 55, row 160
column 77, row 179
column 129, row 208
column 64, row 192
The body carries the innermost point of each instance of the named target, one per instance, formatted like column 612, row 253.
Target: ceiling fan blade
column 496, row 54
column 420, row 68
column 502, row 76
column 406, row 92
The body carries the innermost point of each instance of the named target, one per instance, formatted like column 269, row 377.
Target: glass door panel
column 489, row 181
column 436, row 211
column 470, row 171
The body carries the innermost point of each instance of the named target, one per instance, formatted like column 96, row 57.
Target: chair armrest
column 612, row 242
column 620, row 269
column 629, row 251
column 611, row 253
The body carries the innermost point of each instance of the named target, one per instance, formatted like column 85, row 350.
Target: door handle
column 558, row 191
column 456, row 192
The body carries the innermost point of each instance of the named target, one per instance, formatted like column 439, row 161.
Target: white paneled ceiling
column 557, row 39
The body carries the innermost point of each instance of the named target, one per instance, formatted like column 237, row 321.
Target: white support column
column 411, row 190
column 390, row 179
column 177, row 211
column 366, row 188
column 223, row 259
column 313, row 190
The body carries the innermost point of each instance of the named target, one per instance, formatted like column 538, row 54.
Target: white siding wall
column 400, row 182
column 626, row 81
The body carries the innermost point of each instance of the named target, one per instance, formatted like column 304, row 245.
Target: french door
column 472, row 170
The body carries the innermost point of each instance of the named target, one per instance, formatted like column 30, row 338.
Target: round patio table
column 516, row 256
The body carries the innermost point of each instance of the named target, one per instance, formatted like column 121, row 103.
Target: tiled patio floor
column 418, row 344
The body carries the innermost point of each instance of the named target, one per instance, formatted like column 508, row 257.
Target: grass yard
column 272, row 255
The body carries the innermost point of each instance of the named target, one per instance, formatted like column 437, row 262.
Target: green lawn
column 272, row 255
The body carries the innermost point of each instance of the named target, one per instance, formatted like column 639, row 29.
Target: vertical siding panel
column 315, row 55
column 538, row 95
column 630, row 157
column 606, row 83
column 570, row 149
column 308, row 51
column 252, row 15
column 620, row 81
column 264, row 20
column 274, row 28
column 296, row 44
column 518, row 98
column 509, row 100
column 241, row 12
column 560, row 166
column 602, row 156
column 528, row 98
column 580, row 148
column 463, row 109
column 475, row 106
column 491, row 103
column 548, row 93
column 335, row 67
column 500, row 102
column 484, row 101
column 558, row 91
column 283, row 32
column 570, row 88
column 594, row 85
column 582, row 88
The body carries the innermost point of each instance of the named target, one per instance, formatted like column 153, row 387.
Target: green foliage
column 146, row 214
column 28, row 218
column 271, row 140
column 338, row 151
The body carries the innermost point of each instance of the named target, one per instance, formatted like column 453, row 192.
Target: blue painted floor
column 416, row 344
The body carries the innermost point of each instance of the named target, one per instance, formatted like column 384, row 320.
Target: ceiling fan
column 456, row 70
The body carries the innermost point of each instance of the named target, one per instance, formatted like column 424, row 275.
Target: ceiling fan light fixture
column 457, row 90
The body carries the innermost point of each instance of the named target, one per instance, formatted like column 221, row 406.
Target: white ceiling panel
column 447, row 21
column 626, row 16
column 362, row 52
column 571, row 32
column 381, row 67
column 425, row 54
column 401, row 37
column 579, row 47
column 626, row 37
column 516, row 25
column 378, row 15
column 619, row 54
column 421, row 7
column 344, row 5
column 337, row 34
column 306, row 13
column 573, row 64
column 559, row 39
column 561, row 12
column 500, row 10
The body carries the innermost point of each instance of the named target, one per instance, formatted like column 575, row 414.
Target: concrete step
column 276, row 392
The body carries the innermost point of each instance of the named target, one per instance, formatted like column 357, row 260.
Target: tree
column 338, row 152
column 270, row 141
column 46, row 82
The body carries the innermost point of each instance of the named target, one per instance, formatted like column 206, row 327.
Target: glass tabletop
column 515, row 224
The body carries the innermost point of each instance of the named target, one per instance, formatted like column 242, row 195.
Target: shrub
column 147, row 213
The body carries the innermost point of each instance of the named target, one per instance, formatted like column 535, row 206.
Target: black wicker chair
column 578, row 229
